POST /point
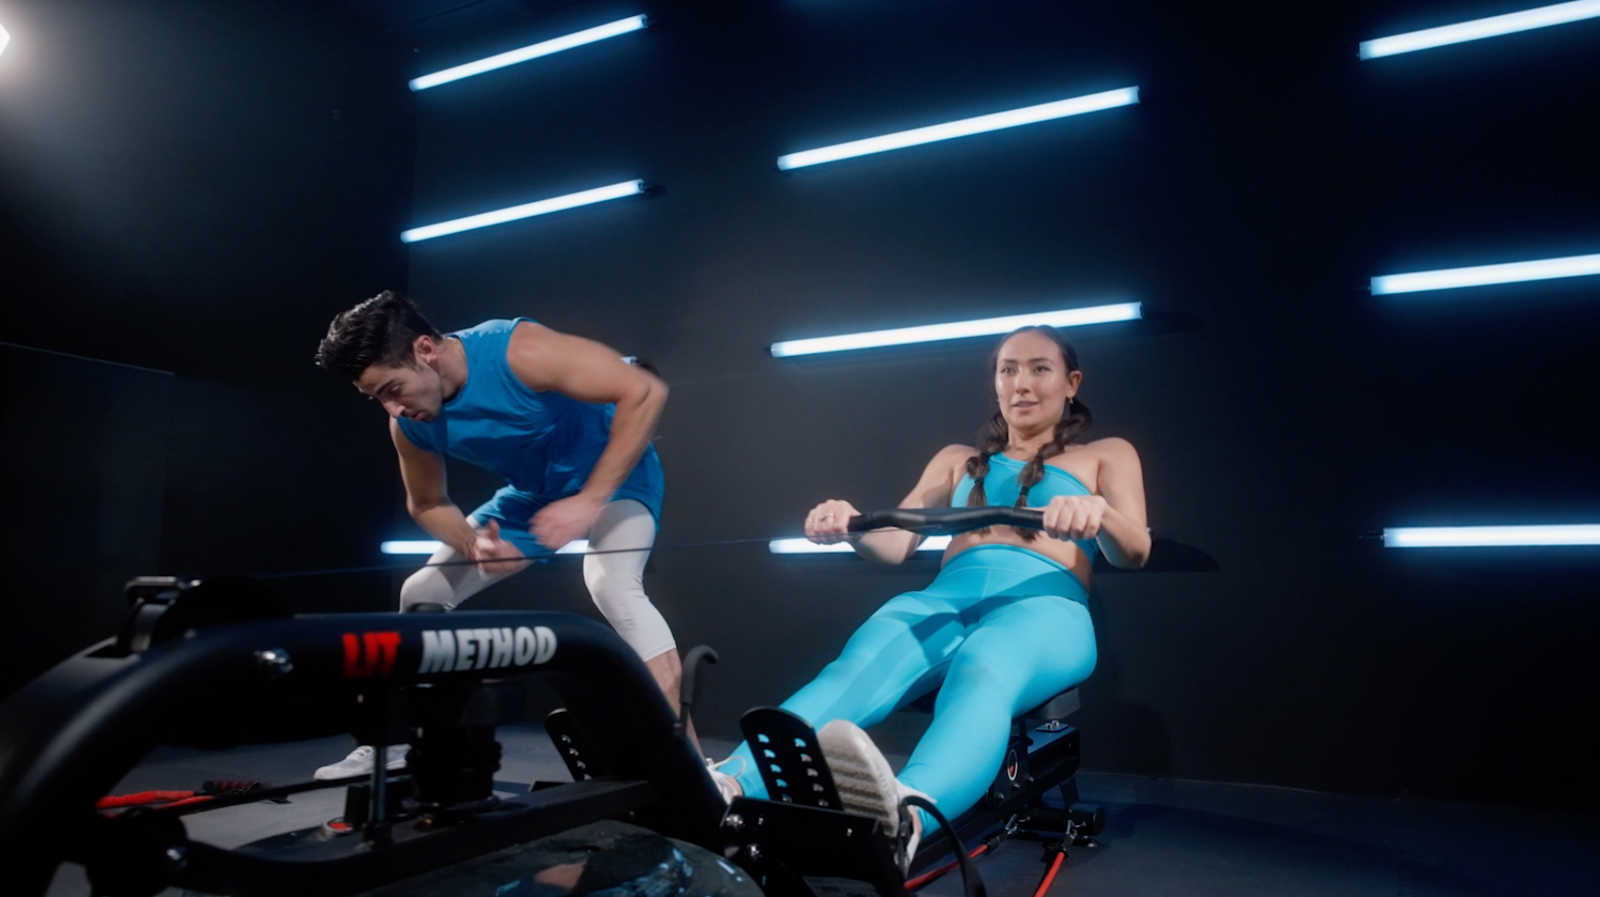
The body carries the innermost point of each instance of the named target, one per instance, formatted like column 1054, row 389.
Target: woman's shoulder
column 952, row 457
column 1111, row 445
column 1111, row 448
column 953, row 453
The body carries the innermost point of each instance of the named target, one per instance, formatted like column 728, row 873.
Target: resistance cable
column 379, row 568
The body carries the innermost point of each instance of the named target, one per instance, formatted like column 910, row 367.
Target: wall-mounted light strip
column 1490, row 536
column 1486, row 275
column 410, row 546
column 526, row 210
column 425, row 546
column 806, row 546
column 1477, row 29
column 1071, row 317
column 5, row 38
column 533, row 51
column 1125, row 96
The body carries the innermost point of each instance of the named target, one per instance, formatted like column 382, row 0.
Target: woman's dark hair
column 996, row 435
column 379, row 331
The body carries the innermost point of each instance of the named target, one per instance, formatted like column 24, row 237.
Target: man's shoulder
column 491, row 327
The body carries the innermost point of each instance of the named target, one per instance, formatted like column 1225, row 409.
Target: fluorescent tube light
column 533, row 51
column 526, row 210
column 1071, row 317
column 410, row 546
column 806, row 546
column 425, row 546
column 1110, row 99
column 1477, row 29
column 1484, row 275
column 1489, row 536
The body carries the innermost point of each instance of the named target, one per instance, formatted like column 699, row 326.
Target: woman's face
column 1032, row 382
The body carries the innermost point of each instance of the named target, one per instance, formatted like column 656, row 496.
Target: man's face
column 405, row 391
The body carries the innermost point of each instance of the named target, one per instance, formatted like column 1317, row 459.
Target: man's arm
column 585, row 370
column 426, row 499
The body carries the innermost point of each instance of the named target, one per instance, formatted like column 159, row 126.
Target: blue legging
column 1002, row 627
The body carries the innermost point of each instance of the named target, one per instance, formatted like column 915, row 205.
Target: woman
column 1005, row 625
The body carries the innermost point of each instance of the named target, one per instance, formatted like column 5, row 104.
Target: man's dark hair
column 378, row 331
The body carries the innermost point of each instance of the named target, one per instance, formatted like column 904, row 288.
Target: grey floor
column 1163, row 836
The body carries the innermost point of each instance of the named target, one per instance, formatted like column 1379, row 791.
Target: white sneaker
column 727, row 784
column 359, row 763
column 867, row 786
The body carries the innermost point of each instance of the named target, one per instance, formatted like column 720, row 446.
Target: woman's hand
column 827, row 522
column 1074, row 517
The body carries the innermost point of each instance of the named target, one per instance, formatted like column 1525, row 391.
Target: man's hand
column 560, row 522
column 502, row 557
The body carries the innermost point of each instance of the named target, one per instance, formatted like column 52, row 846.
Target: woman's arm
column 827, row 522
column 1113, row 517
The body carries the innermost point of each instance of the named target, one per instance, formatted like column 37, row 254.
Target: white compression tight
column 615, row 581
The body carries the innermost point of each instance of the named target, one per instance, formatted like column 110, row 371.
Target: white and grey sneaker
column 727, row 784
column 359, row 763
column 867, row 786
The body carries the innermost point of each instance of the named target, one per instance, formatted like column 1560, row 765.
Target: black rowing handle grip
column 946, row 521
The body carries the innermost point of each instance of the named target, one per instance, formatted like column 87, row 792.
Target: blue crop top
column 543, row 443
column 1000, row 489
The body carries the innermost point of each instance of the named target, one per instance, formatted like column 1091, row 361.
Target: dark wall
column 198, row 187
column 275, row 479
column 83, row 463
column 1281, row 411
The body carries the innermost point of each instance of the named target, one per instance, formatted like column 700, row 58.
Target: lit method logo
column 457, row 650
column 370, row 654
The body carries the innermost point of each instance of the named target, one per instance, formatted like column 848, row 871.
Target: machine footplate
column 582, row 759
column 790, row 760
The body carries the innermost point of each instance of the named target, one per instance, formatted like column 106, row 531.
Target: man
column 565, row 420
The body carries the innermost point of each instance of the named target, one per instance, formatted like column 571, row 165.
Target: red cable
column 211, row 790
column 113, row 801
column 167, row 800
column 926, row 877
column 1050, row 876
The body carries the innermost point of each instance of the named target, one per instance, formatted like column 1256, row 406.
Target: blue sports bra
column 1000, row 489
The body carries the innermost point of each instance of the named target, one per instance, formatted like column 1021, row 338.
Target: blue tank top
column 1001, row 486
column 543, row 443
